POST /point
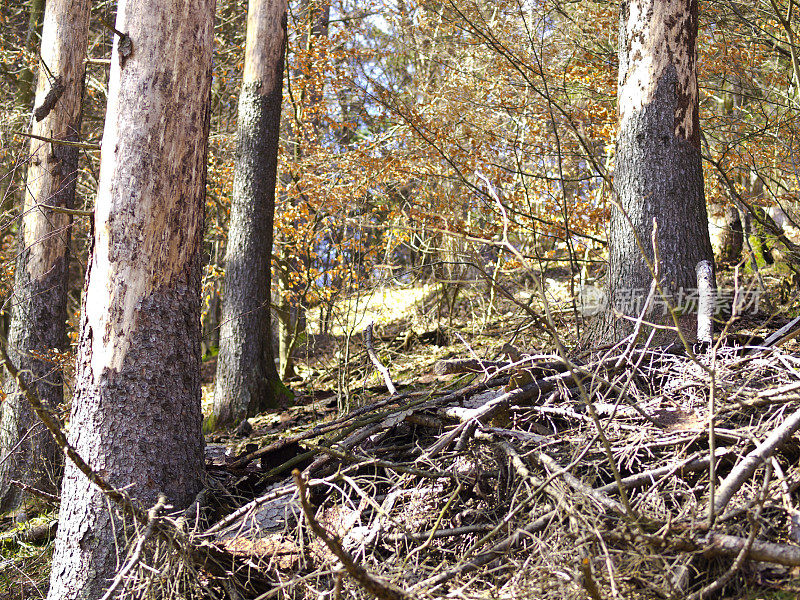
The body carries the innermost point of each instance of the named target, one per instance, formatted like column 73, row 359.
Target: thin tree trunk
column 136, row 412
column 247, row 381
column 39, row 308
column 659, row 174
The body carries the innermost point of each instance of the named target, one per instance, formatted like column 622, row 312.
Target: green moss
column 209, row 424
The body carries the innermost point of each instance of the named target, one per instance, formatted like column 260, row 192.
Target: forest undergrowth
column 458, row 452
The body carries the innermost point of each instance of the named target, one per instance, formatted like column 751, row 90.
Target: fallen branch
column 747, row 466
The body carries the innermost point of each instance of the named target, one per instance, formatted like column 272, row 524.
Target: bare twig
column 747, row 466
column 374, row 586
column 745, row 549
column 136, row 555
column 80, row 145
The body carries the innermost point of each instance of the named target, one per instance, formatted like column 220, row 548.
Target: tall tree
column 136, row 415
column 39, row 308
column 247, row 380
column 659, row 173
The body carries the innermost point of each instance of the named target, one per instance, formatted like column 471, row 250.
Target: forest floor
column 499, row 468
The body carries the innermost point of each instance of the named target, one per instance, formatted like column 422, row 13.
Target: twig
column 495, row 551
column 253, row 504
column 690, row 465
column 67, row 211
column 748, row 544
column 439, row 533
column 380, row 589
column 49, row 498
column 80, row 145
column 587, row 580
column 136, row 555
column 44, row 415
column 745, row 469
column 392, row 466
column 204, row 557
column 549, row 463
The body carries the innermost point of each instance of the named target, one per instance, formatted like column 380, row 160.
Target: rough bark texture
column 731, row 237
column 247, row 381
column 136, row 412
column 659, row 173
column 39, row 305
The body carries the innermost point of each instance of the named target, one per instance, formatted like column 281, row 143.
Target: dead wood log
column 35, row 534
column 789, row 331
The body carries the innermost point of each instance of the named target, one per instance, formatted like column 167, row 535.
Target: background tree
column 247, row 381
column 136, row 412
column 658, row 174
column 39, row 309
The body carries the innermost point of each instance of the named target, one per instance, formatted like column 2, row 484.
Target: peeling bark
column 39, row 304
column 247, row 381
column 136, row 414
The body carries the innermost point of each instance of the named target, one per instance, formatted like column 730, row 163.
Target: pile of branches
column 662, row 472
column 657, row 472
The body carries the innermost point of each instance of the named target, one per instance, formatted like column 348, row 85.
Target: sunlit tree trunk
column 39, row 305
column 247, row 381
column 659, row 174
column 136, row 412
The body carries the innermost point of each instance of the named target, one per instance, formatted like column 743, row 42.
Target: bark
column 212, row 304
column 247, row 380
column 731, row 237
column 39, row 307
column 659, row 172
column 136, row 414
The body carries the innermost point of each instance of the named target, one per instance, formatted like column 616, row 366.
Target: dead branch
column 747, row 466
column 136, row 555
column 374, row 586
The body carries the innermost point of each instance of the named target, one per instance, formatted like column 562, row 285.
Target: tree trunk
column 39, row 308
column 212, row 311
column 731, row 237
column 247, row 381
column 659, row 173
column 136, row 412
